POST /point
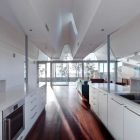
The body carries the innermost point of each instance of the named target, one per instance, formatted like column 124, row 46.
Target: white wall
column 32, row 74
column 13, row 38
column 12, row 41
column 11, row 68
column 32, row 65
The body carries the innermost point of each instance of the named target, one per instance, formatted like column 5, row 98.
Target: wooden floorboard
column 65, row 118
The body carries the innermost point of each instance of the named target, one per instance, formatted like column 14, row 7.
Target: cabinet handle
column 33, row 107
column 33, row 100
column 7, row 128
column 116, row 101
column 33, row 115
column 21, row 138
column 132, row 111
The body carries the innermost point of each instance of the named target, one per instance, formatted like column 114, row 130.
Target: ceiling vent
column 47, row 27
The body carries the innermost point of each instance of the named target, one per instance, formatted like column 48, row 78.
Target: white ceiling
column 90, row 17
column 110, row 16
column 101, row 53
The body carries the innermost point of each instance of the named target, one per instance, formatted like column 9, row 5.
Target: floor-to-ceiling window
column 67, row 72
column 60, row 73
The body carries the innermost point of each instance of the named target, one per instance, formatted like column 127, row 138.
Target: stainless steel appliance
column 13, row 121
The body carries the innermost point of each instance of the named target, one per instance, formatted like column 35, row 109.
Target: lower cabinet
column 120, row 116
column 131, row 124
column 103, row 107
column 93, row 100
column 31, row 110
column 0, row 125
column 115, row 117
column 22, row 136
column 98, row 103
column 34, row 105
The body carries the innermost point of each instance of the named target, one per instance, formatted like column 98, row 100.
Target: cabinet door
column 95, row 101
column 0, row 125
column 103, row 107
column 131, row 124
column 115, row 118
column 22, row 136
column 0, row 130
column 91, row 97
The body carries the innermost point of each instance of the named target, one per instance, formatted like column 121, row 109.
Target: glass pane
column 91, row 70
column 75, row 71
column 60, row 73
column 42, row 72
column 48, row 70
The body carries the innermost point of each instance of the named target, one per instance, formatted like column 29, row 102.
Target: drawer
column 33, row 108
column 30, row 99
column 22, row 136
column 0, row 131
column 95, row 102
column 0, row 117
column 33, row 117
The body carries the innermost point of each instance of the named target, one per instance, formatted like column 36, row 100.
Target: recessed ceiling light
column 102, row 29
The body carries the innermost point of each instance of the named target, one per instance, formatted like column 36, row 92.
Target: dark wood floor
column 65, row 118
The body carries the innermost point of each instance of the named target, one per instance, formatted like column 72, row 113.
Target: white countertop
column 114, row 88
column 11, row 96
column 117, row 90
column 15, row 94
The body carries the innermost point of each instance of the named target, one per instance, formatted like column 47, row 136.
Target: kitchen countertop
column 114, row 88
column 13, row 95
column 117, row 90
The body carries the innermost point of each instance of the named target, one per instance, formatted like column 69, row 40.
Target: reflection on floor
column 66, row 119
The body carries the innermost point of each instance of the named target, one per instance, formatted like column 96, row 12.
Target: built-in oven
column 13, row 121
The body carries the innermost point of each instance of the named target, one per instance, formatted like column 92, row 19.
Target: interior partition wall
column 67, row 72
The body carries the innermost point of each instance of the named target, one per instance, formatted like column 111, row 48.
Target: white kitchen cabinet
column 98, row 103
column 31, row 110
column 115, row 117
column 103, row 107
column 131, row 124
column 41, row 98
column 22, row 136
column 34, row 104
column 90, row 94
column 0, row 125
column 93, row 99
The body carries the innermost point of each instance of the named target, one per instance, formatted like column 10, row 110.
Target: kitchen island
column 120, row 115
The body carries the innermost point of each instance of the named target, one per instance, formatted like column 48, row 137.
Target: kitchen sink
column 133, row 97
column 136, row 101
